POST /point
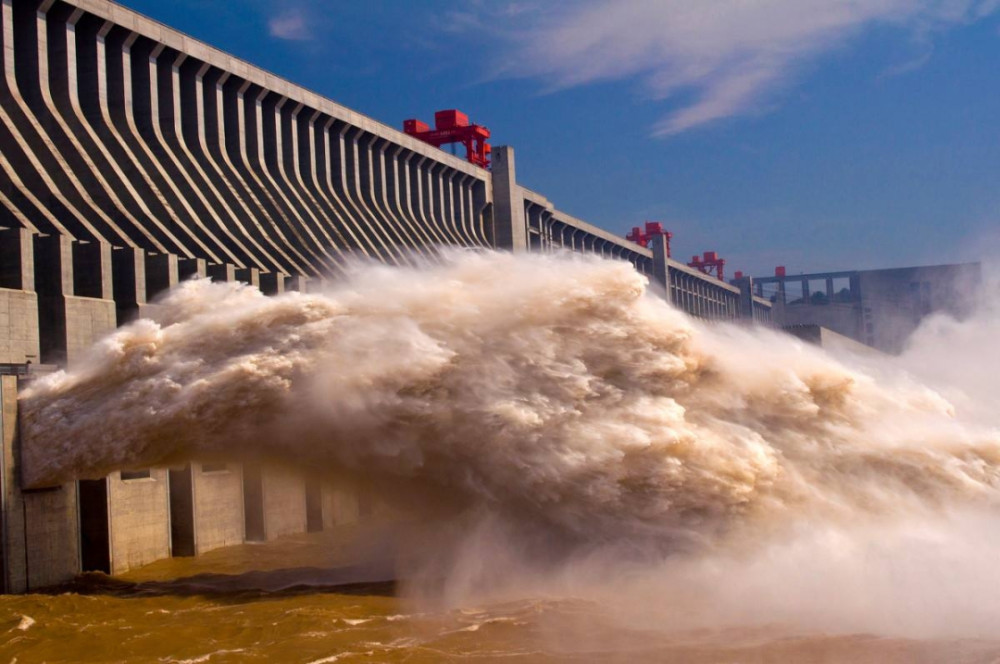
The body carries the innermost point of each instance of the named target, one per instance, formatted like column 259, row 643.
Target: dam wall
column 135, row 157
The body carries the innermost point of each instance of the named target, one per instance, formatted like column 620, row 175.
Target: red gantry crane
column 652, row 229
column 708, row 262
column 452, row 126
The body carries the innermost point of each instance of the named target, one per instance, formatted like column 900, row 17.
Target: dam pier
column 135, row 157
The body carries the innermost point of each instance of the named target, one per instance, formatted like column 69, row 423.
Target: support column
column 129, row 269
column 661, row 270
column 222, row 272
column 161, row 274
column 509, row 229
column 248, row 275
column 272, row 283
column 19, row 341
column 746, row 304
column 189, row 268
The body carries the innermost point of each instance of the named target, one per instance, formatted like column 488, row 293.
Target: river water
column 269, row 603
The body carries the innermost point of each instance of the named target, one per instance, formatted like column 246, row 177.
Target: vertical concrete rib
column 185, row 107
column 389, row 174
column 343, row 169
column 62, row 81
column 163, row 99
column 207, row 120
column 132, row 90
column 261, row 145
column 356, row 170
column 73, row 204
column 86, row 47
column 233, row 147
column 415, row 197
column 434, row 202
column 368, row 183
column 319, row 165
column 293, row 155
column 276, row 141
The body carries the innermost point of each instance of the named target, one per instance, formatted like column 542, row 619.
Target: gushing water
column 556, row 403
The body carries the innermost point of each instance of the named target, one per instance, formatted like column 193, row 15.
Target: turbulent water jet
column 554, row 390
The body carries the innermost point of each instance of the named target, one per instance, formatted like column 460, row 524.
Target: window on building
column 136, row 474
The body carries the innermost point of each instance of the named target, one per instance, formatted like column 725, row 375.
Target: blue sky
column 817, row 134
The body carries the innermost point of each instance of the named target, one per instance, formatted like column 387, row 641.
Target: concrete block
column 87, row 320
column 218, row 506
column 284, row 496
column 139, row 517
column 52, row 536
column 340, row 505
column 15, row 572
column 19, row 340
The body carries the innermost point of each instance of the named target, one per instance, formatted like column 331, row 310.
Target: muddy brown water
column 294, row 600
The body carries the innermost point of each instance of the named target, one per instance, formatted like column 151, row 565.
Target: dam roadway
column 134, row 157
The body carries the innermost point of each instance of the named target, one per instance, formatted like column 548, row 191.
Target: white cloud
column 290, row 24
column 730, row 56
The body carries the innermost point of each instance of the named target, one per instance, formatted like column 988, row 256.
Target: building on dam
column 133, row 157
column 878, row 308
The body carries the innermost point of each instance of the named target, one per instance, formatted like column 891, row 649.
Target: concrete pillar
column 92, row 270
column 189, row 268
column 222, row 272
column 161, row 274
column 829, row 289
column 272, row 283
column 746, row 303
column 17, row 259
column 248, row 275
column 138, row 514
column 284, row 502
column 509, row 228
column 54, row 281
column 297, row 282
column 661, row 269
column 218, row 505
column 19, row 336
column 40, row 533
column 129, row 270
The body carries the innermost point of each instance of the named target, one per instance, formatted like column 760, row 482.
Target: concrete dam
column 134, row 157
